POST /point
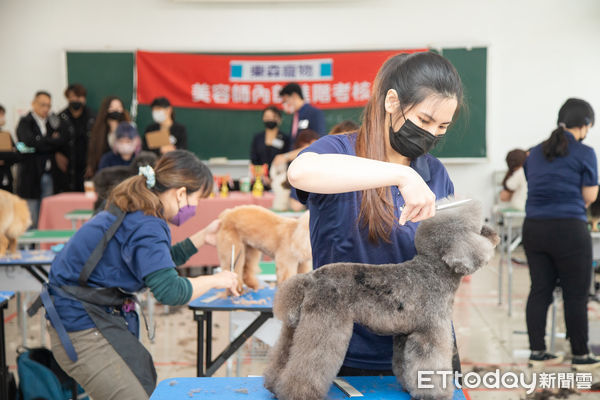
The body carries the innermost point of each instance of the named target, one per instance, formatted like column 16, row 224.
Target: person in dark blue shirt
column 106, row 358
column 562, row 180
column 124, row 149
column 355, row 184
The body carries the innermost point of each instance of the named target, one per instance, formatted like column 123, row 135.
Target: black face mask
column 116, row 115
column 75, row 105
column 270, row 124
column 412, row 141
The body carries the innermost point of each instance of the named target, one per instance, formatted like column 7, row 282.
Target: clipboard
column 157, row 139
column 6, row 142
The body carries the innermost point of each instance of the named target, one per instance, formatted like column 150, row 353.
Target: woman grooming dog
column 355, row 184
column 121, row 251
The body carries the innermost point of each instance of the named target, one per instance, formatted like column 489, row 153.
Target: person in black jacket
column 6, row 177
column 40, row 131
column 76, row 121
column 164, row 119
column 266, row 145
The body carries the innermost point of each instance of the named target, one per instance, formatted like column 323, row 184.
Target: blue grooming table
column 4, row 298
column 372, row 388
column 215, row 300
column 31, row 260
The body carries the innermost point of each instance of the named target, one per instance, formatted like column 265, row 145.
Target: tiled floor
column 487, row 338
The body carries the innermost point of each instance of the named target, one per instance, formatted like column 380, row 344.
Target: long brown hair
column 414, row 77
column 98, row 144
column 515, row 160
column 176, row 169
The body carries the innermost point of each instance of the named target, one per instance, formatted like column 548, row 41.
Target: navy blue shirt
column 310, row 117
column 554, row 187
column 141, row 246
column 336, row 237
column 112, row 159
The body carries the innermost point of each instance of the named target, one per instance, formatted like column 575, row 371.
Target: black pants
column 559, row 252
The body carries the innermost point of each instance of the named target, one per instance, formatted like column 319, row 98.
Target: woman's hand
column 419, row 200
column 226, row 280
column 279, row 159
column 208, row 235
column 210, row 232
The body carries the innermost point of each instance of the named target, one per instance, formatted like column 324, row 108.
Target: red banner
column 251, row 82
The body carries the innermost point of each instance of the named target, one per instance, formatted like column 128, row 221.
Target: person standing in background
column 562, row 180
column 270, row 142
column 6, row 177
column 304, row 116
column 164, row 119
column 76, row 122
column 102, row 136
column 40, row 131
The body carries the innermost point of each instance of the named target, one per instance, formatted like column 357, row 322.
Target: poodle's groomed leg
column 278, row 357
column 319, row 346
column 3, row 245
column 429, row 353
column 12, row 246
column 286, row 266
column 251, row 267
column 398, row 358
column 305, row 267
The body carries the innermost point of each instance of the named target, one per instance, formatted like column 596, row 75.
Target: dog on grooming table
column 252, row 229
column 411, row 301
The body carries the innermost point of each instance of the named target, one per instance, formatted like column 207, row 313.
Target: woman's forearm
column 339, row 173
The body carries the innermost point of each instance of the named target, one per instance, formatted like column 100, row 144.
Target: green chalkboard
column 103, row 74
column 225, row 133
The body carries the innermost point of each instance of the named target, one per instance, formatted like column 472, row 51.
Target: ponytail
column 133, row 195
column 176, row 169
column 557, row 144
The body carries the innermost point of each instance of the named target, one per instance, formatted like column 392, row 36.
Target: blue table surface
column 5, row 296
column 215, row 300
column 29, row 257
column 372, row 387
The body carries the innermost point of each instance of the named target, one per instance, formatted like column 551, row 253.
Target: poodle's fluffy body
column 15, row 219
column 411, row 301
column 254, row 229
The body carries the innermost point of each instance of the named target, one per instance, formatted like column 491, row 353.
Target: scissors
column 446, row 205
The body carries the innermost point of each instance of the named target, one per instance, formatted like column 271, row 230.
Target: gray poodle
column 411, row 301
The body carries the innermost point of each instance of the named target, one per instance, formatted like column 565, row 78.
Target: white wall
column 540, row 51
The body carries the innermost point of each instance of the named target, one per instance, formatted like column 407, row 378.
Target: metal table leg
column 3, row 367
column 509, row 261
column 199, row 317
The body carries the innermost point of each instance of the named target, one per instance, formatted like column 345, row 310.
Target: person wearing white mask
column 124, row 147
column 164, row 120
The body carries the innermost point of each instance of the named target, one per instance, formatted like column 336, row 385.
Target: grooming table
column 509, row 241
column 372, row 388
column 36, row 236
column 34, row 262
column 258, row 301
column 4, row 298
column 79, row 216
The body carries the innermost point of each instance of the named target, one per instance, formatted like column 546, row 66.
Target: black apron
column 118, row 325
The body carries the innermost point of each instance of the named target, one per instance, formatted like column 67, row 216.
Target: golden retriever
column 15, row 219
column 254, row 229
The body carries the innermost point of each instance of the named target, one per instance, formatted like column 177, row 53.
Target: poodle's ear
column 467, row 254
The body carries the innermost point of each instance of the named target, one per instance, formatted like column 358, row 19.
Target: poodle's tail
column 289, row 298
